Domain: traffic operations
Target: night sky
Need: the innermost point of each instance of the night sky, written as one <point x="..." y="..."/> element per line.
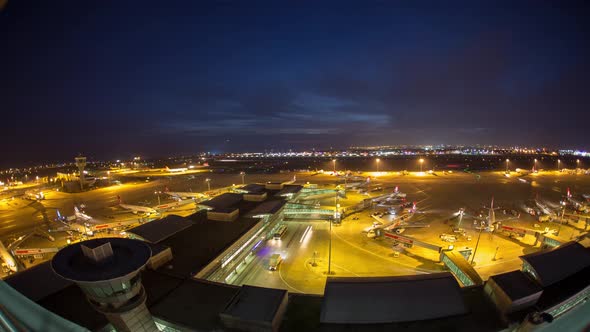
<point x="111" y="79"/>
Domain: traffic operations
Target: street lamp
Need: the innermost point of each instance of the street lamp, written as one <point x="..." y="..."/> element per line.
<point x="378" y="160"/>
<point x="577" y="163"/>
<point x="208" y="184"/>
<point x="558" y="163"/>
<point x="243" y="174"/>
<point x="507" y="161"/>
<point x="158" y="194"/>
<point x="421" y="162"/>
<point x="334" y="162"/>
<point x="535" y="165"/>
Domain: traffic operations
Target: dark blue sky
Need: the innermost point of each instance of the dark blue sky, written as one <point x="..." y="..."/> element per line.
<point x="116" y="78"/>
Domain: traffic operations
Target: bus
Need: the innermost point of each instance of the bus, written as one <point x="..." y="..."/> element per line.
<point x="280" y="232"/>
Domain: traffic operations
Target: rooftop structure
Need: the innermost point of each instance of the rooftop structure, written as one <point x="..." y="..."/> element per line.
<point x="391" y="299"/>
<point x="554" y="265"/>
<point x="255" y="309"/>
<point x="513" y="291"/>
<point x="223" y="202"/>
<point x="160" y="229"/>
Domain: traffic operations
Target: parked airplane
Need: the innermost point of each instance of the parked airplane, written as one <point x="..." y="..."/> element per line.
<point x="292" y="181"/>
<point x="34" y="195"/>
<point x="577" y="203"/>
<point x="176" y="170"/>
<point x="137" y="208"/>
<point x="184" y="195"/>
<point x="7" y="258"/>
<point x="489" y="222"/>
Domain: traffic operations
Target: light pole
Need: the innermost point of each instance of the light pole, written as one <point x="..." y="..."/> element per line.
<point x="243" y="174"/>
<point x="476" y="244"/>
<point x="577" y="163"/>
<point x="535" y="165"/>
<point x="421" y="162"/>
<point x="507" y="161"/>
<point x="461" y="212"/>
<point x="158" y="194"/>
<point x="208" y="184"/>
<point x="334" y="162"/>
<point x="378" y="160"/>
<point x="558" y="163"/>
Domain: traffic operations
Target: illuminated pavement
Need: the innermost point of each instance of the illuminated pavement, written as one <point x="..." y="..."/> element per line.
<point x="438" y="198"/>
<point x="353" y="254"/>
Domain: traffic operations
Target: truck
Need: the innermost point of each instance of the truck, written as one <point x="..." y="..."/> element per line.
<point x="274" y="262"/>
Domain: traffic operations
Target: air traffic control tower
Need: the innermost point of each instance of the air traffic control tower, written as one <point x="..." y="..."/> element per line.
<point x="81" y="163"/>
<point x="108" y="272"/>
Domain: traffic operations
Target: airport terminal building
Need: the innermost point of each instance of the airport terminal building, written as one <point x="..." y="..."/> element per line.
<point x="181" y="280"/>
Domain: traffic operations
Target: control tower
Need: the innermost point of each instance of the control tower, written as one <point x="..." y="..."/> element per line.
<point x="81" y="163"/>
<point x="108" y="272"/>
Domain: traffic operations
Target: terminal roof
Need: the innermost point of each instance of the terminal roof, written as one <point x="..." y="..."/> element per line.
<point x="303" y="314"/>
<point x="268" y="207"/>
<point x="194" y="247"/>
<point x="27" y="282"/>
<point x="223" y="201"/>
<point x="256" y="303"/>
<point x="556" y="264"/>
<point x="161" y="229"/>
<point x="128" y="256"/>
<point x="195" y="304"/>
<point x="516" y="284"/>
<point x="564" y="289"/>
<point x="391" y="299"/>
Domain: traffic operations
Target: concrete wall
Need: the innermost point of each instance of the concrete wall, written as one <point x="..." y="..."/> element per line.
<point x="160" y="259"/>
<point x="255" y="197"/>
<point x="222" y="216"/>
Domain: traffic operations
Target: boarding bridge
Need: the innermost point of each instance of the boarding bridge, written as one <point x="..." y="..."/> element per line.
<point x="34" y="251"/>
<point x="576" y="218"/>
<point x="306" y="212"/>
<point x="460" y="268"/>
<point x="520" y="232"/>
<point x="409" y="242"/>
<point x="549" y="241"/>
<point x="311" y="194"/>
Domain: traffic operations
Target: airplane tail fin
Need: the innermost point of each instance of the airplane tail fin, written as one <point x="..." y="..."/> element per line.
<point x="569" y="194"/>
<point x="119" y="199"/>
<point x="492" y="204"/>
<point x="396" y="189"/>
<point x="77" y="212"/>
<point x="59" y="217"/>
<point x="414" y="207"/>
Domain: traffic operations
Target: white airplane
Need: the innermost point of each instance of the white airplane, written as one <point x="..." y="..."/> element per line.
<point x="578" y="204"/>
<point x="137" y="208"/>
<point x="173" y="205"/>
<point x="176" y="170"/>
<point x="292" y="181"/>
<point x="184" y="195"/>
<point x="544" y="208"/>
<point x="7" y="258"/>
<point x="79" y="215"/>
<point x="71" y="222"/>
<point x="34" y="195"/>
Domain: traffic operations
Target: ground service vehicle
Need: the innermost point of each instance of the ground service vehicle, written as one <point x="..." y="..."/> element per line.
<point x="274" y="262"/>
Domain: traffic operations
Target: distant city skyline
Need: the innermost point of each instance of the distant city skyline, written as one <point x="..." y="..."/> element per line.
<point x="112" y="80"/>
